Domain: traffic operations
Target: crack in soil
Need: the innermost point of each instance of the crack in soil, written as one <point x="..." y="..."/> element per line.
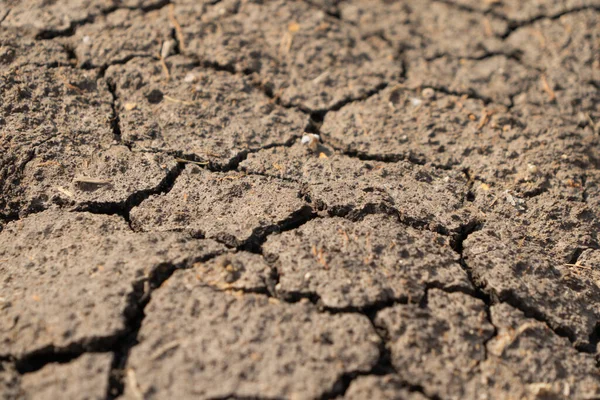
<point x="386" y="158"/>
<point x="514" y="25"/>
<point x="4" y="16"/>
<point x="115" y="120"/>
<point x="137" y="299"/>
<point x="259" y="235"/>
<point x="458" y="247"/>
<point x="124" y="208"/>
<point x="491" y="297"/>
<point x="140" y="298"/>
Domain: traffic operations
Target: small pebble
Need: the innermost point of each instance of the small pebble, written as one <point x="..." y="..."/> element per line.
<point x="428" y="93"/>
<point x="189" y="78"/>
<point x="311" y="140"/>
<point x="533" y="169"/>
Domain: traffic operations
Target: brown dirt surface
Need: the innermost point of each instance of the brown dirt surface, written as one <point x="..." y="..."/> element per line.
<point x="300" y="199"/>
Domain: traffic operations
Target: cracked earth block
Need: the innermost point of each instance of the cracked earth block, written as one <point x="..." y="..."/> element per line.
<point x="500" y="148"/>
<point x="438" y="347"/>
<point x="526" y="258"/>
<point x="84" y="378"/>
<point x="206" y="114"/>
<point x="119" y="36"/>
<point x="344" y="186"/>
<point x="360" y="264"/>
<point x="57" y="146"/>
<point x="526" y="360"/>
<point x="429" y="28"/>
<point x="243" y="345"/>
<point x="70" y="280"/>
<point x="387" y="387"/>
<point x="299" y="53"/>
<point x="233" y="208"/>
<point x="420" y="126"/>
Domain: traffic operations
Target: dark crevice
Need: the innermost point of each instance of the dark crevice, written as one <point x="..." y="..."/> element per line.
<point x="140" y="298"/>
<point x="584" y="188"/>
<point x="470" y="194"/>
<point x="36" y="360"/>
<point x="411" y="157"/>
<point x="259" y="235"/>
<point x="124" y="208"/>
<point x="491" y="297"/>
<point x="71" y="55"/>
<point x="352" y="213"/>
<point x="67" y="32"/>
<point x="319" y="115"/>
<point x="457" y="244"/>
<point x="384" y="365"/>
<point x="479" y="289"/>
<point x="513" y="299"/>
<point x="115" y="120"/>
<point x="6" y="218"/>
<point x="576" y="254"/>
<point x="402" y="58"/>
<point x="152" y="7"/>
<point x="133" y="315"/>
<point x="3" y="17"/>
<point x="514" y="25"/>
<point x="232" y="165"/>
<point x="371" y="309"/>
<point x="175" y="38"/>
<point x="515" y="55"/>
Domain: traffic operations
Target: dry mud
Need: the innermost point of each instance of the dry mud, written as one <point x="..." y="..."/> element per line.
<point x="319" y="199"/>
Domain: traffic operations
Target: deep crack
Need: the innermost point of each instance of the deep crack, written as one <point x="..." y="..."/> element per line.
<point x="123" y="208"/>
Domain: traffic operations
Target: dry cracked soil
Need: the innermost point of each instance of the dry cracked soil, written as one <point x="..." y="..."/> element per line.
<point x="302" y="199"/>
